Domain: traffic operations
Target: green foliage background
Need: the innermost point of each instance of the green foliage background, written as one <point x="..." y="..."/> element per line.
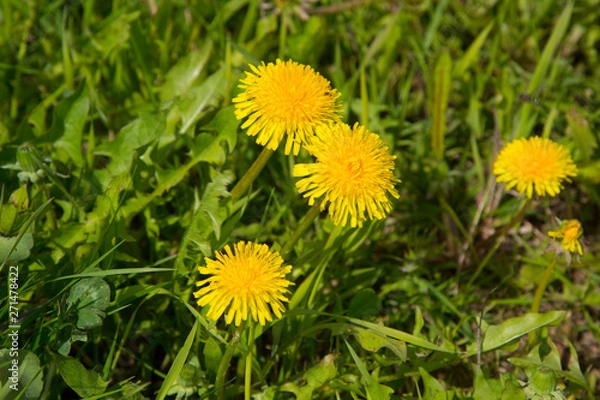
<point x="118" y="148"/>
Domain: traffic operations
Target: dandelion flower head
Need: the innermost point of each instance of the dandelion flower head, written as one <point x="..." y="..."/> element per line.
<point x="534" y="164"/>
<point x="570" y="231"/>
<point x="245" y="281"/>
<point x="285" y="98"/>
<point x="354" y="172"/>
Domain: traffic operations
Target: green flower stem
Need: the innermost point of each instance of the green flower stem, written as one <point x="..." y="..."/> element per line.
<point x="248" y="377"/>
<point x="242" y="186"/>
<point x="497" y="238"/>
<point x="225" y="361"/>
<point x="328" y="253"/>
<point x="537" y="298"/>
<point x="541" y="289"/>
<point x="306" y="221"/>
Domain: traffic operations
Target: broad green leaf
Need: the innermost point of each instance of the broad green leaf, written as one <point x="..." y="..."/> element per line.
<point x="439" y="92"/>
<point x="212" y="355"/>
<point x="225" y="125"/>
<point x="132" y="137"/>
<point x="84" y="382"/>
<point x="178" y="363"/>
<point x="583" y="137"/>
<point x="7" y="219"/>
<point x="182" y="75"/>
<point x="573" y="372"/>
<point x="315" y="378"/>
<point x="206" y="220"/>
<point x="195" y="101"/>
<point x="511" y="389"/>
<point x="497" y="336"/>
<point x="13" y="250"/>
<point x="375" y="390"/>
<point x="13" y="211"/>
<point x="432" y="385"/>
<point x="69" y="143"/>
<point x="482" y="390"/>
<point x="206" y="149"/>
<point x="89" y="297"/>
<point x="69" y="235"/>
<point x="372" y="341"/>
<point x="26" y="376"/>
<point x="23" y="230"/>
<point x="396" y="334"/>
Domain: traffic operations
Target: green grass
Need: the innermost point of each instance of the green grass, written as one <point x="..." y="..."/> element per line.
<point x="119" y="147"/>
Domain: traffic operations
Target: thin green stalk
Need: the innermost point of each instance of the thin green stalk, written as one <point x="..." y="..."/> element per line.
<point x="306" y="221"/>
<point x="248" y="377"/>
<point x="537" y="298"/>
<point x="541" y="289"/>
<point x="225" y="361"/>
<point x="324" y="263"/>
<point x="242" y="186"/>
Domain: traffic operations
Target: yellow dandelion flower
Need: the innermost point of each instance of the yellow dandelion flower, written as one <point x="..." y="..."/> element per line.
<point x="285" y="98"/>
<point x="534" y="163"/>
<point x="570" y="231"/>
<point x="353" y="171"/>
<point x="245" y="281"/>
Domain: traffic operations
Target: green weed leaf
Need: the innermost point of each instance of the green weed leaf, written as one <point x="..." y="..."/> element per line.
<point x="84" y="382"/>
<point x="12" y="251"/>
<point x="438" y="102"/>
<point x="182" y="75"/>
<point x="198" y="98"/>
<point x="315" y="378"/>
<point x="497" y="336"/>
<point x="29" y="376"/>
<point x="73" y="119"/>
<point x="373" y="341"/>
<point x="132" y="137"/>
<point x="89" y="297"/>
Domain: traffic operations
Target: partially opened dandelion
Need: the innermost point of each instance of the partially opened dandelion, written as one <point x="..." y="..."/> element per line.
<point x="534" y="164"/>
<point x="353" y="173"/>
<point x="285" y="99"/>
<point x="570" y="232"/>
<point x="248" y="281"/>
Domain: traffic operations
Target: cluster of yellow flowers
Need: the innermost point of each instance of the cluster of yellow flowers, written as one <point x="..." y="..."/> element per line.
<point x="540" y="165"/>
<point x="353" y="174"/>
